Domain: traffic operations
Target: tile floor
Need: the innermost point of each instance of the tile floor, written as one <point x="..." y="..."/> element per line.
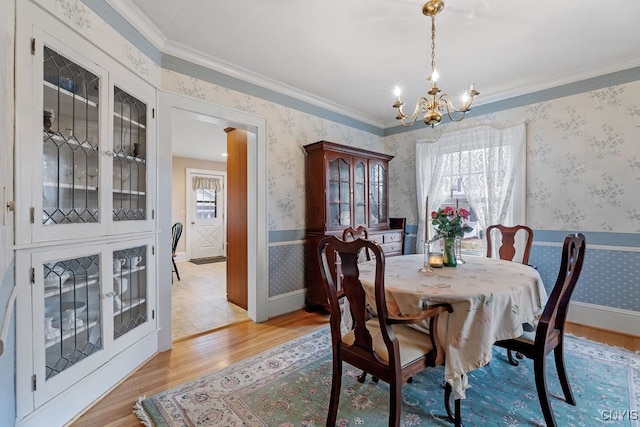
<point x="200" y="302"/>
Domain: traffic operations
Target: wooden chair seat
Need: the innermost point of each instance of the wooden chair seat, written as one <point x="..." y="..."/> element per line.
<point x="413" y="343"/>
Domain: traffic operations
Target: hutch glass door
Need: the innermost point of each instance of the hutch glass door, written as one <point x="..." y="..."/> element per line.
<point x="70" y="136"/>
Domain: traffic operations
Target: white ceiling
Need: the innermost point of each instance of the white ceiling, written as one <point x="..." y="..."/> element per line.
<point x="348" y="55"/>
<point x="197" y="136"/>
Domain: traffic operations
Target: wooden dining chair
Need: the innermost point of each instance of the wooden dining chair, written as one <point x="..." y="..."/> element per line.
<point x="507" y="249"/>
<point x="549" y="330"/>
<point x="350" y="234"/>
<point x="176" y="232"/>
<point x="384" y="346"/>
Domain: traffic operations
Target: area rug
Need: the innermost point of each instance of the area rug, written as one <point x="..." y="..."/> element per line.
<point x="289" y="386"/>
<point x="208" y="260"/>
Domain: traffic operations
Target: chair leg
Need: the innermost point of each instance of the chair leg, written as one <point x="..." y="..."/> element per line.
<point x="395" y="406"/>
<point x="336" y="383"/>
<point x="455" y="418"/>
<point x="175" y="267"/>
<point x="562" y="374"/>
<point x="512" y="361"/>
<point x="541" y="387"/>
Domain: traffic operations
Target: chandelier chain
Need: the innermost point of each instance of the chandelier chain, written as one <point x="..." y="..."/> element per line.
<point x="433" y="46"/>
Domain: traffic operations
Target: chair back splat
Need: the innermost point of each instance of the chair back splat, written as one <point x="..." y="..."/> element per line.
<point x="383" y="346"/>
<point x="507" y="249"/>
<point x="549" y="331"/>
<point x="555" y="311"/>
<point x="351" y="233"/>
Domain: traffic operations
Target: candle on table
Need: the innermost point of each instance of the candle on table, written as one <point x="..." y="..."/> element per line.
<point x="435" y="260"/>
<point x="426" y="221"/>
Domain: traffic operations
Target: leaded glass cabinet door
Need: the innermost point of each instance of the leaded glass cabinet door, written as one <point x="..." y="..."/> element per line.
<point x="339" y="193"/>
<point x="360" y="191"/>
<point x="378" y="202"/>
<point x="68" y="318"/>
<point x="131" y="151"/>
<point x="70" y="124"/>
<point x="132" y="270"/>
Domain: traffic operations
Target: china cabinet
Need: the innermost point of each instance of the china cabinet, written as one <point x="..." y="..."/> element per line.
<point x="87" y="148"/>
<point x="85" y="264"/>
<point x="345" y="187"/>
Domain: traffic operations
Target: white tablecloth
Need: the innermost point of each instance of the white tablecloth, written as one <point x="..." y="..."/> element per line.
<point x="491" y="300"/>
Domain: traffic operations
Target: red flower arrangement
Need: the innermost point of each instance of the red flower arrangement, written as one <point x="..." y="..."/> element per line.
<point x="450" y="222"/>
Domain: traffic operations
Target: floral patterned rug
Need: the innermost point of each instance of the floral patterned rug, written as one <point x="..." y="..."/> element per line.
<point x="289" y="386"/>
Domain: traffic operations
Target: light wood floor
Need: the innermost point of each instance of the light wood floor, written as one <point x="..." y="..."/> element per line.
<point x="192" y="358"/>
<point x="199" y="300"/>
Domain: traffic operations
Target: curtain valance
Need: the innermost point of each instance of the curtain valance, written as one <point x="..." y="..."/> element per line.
<point x="206" y="183"/>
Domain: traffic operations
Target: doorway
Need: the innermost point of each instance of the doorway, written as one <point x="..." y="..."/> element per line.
<point x="257" y="265"/>
<point x="206" y="227"/>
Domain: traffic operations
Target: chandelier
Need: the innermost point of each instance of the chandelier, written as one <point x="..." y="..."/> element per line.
<point x="432" y="104"/>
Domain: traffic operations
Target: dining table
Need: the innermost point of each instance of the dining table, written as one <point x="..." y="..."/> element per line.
<point x="492" y="300"/>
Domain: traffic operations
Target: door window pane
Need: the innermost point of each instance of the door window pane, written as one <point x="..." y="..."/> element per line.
<point x="206" y="204"/>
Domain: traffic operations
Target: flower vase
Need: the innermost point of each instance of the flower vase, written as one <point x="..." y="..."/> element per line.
<point x="449" y="256"/>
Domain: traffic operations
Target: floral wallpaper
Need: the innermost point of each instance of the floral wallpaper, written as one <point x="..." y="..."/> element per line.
<point x="288" y="131"/>
<point x="583" y="161"/>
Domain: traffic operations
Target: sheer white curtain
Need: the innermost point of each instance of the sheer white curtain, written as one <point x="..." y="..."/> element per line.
<point x="486" y="158"/>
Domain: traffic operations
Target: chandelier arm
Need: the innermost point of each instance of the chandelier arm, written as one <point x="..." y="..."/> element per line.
<point x="422" y="105"/>
<point x="445" y="101"/>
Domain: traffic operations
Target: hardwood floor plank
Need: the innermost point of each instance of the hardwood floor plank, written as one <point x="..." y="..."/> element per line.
<point x="201" y="355"/>
<point x="193" y="358"/>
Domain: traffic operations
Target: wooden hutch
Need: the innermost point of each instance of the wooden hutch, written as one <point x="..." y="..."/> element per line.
<point x="346" y="186"/>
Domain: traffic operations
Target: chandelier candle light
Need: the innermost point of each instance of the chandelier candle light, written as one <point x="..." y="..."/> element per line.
<point x="434" y="102"/>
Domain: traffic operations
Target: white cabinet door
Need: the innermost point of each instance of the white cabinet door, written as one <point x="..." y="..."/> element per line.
<point x="132" y="179"/>
<point x="133" y="301"/>
<point x="68" y="318"/>
<point x="59" y="157"/>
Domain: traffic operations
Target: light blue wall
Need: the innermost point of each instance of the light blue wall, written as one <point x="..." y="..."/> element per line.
<point x="611" y="273"/>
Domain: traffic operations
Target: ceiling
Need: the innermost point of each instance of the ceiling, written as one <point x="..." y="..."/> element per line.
<point x="348" y="55"/>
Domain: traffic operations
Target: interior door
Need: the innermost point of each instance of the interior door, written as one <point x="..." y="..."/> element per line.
<point x="206" y="213"/>
<point x="237" y="246"/>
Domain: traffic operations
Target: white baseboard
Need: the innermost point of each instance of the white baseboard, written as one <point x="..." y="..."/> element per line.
<point x="181" y="257"/>
<point x="598" y="316"/>
<point x="286" y="303"/>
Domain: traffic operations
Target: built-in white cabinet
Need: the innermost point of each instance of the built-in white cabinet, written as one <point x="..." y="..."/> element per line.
<point x="86" y="156"/>
<point x="85" y="224"/>
<point x="88" y="303"/>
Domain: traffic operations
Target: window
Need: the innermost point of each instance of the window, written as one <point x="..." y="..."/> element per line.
<point x="206" y="203"/>
<point x="481" y="169"/>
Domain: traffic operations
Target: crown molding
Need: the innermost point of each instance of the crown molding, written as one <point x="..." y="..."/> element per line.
<point x="566" y="80"/>
<point x="151" y="32"/>
<point x="196" y="57"/>
<point x="140" y="22"/>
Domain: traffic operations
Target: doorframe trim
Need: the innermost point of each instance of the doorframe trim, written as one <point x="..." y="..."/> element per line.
<point x="187" y="195"/>
<point x="257" y="179"/>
